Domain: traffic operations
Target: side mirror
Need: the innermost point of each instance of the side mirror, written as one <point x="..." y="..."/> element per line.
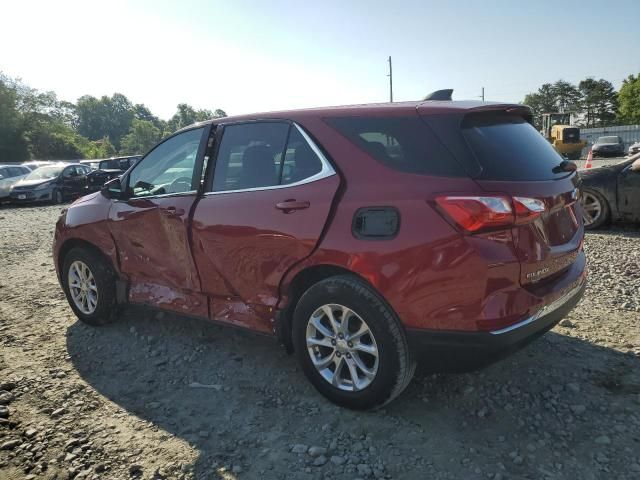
<point x="113" y="189"/>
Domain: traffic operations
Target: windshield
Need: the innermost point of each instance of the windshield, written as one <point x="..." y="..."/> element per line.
<point x="109" y="165"/>
<point x="45" y="173"/>
<point x="608" y="140"/>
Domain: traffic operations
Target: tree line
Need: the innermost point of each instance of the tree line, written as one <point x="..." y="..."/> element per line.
<point x="595" y="103"/>
<point x="37" y="125"/>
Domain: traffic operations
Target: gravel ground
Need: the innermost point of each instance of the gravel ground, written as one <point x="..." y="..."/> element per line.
<point x="159" y="396"/>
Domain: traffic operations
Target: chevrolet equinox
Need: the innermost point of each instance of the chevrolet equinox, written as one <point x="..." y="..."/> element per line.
<point x="364" y="238"/>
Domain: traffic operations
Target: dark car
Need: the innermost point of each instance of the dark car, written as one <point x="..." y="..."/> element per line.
<point x="108" y="169"/>
<point x="611" y="193"/>
<point x="51" y="183"/>
<point x="362" y="237"/>
<point x="611" y="146"/>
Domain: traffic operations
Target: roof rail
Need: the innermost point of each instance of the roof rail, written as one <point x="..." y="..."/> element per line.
<point x="440" y="95"/>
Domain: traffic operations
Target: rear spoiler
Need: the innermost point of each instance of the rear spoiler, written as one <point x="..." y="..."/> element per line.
<point x="440" y="95"/>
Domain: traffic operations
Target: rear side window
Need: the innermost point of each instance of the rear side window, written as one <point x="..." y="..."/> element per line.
<point x="509" y="148"/>
<point x="300" y="161"/>
<point x="263" y="154"/>
<point x="402" y="143"/>
<point x="250" y="156"/>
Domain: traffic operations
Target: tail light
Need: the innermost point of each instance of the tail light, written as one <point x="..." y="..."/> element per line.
<point x="480" y="213"/>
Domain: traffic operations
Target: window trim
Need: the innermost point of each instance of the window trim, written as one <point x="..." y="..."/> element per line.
<point x="326" y="171"/>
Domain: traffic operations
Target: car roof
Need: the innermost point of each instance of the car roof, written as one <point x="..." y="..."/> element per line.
<point x="424" y="107"/>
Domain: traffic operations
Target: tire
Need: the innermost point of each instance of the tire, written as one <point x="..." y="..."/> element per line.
<point x="104" y="310"/>
<point x="395" y="365"/>
<point x="57" y="197"/>
<point x="596" y="209"/>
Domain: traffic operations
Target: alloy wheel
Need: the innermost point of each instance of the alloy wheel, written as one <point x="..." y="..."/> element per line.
<point x="83" y="288"/>
<point x="342" y="347"/>
<point x="592" y="208"/>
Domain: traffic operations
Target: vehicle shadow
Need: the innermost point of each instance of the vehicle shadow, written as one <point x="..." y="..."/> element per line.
<point x="241" y="401"/>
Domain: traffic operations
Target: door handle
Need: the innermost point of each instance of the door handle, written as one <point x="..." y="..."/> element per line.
<point x="173" y="211"/>
<point x="291" y="205"/>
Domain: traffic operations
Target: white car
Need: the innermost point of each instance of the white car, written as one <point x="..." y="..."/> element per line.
<point x="10" y="174"/>
<point x="634" y="148"/>
<point x="35" y="164"/>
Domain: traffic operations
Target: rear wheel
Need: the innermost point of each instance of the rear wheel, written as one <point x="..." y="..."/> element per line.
<point x="350" y="344"/>
<point x="89" y="284"/>
<point x="596" y="209"/>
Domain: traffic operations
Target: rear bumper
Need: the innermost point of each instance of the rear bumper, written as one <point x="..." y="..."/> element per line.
<point x="463" y="351"/>
<point x="608" y="153"/>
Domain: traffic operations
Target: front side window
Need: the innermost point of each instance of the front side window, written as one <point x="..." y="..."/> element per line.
<point x="70" y="172"/>
<point x="168" y="168"/>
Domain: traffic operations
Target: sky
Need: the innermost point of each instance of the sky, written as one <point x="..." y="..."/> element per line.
<point x="251" y="56"/>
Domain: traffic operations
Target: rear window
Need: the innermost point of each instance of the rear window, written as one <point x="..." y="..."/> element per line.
<point x="509" y="148"/>
<point x="402" y="143"/>
<point x="609" y="140"/>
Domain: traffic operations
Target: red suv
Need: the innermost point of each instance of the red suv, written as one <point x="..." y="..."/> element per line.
<point x="362" y="237"/>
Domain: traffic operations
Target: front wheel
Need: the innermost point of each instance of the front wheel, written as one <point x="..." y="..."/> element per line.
<point x="350" y="344"/>
<point x="89" y="284"/>
<point x="596" y="209"/>
<point x="57" y="196"/>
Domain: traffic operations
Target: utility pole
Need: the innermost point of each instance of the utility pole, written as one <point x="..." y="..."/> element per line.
<point x="390" y="80"/>
<point x="483" y="94"/>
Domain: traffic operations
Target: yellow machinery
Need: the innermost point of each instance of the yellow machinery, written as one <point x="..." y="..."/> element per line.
<point x="565" y="138"/>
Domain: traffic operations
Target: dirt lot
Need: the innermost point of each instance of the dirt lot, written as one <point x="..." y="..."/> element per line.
<point x="158" y="396"/>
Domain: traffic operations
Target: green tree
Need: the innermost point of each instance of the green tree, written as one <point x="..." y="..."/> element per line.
<point x="105" y="116"/>
<point x="13" y="144"/>
<point x="566" y="97"/>
<point x="542" y="101"/>
<point x="142" y="136"/>
<point x="629" y="101"/>
<point x="600" y="102"/>
<point x="187" y="115"/>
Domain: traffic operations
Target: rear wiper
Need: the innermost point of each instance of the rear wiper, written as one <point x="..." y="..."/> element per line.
<point x="565" y="166"/>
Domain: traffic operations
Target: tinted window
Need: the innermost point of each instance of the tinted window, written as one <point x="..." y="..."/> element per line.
<point x="300" y="160"/>
<point x="402" y="143"/>
<point x="5" y="172"/>
<point x="69" y="172"/>
<point x="17" y="171"/>
<point x="509" y="148"/>
<point x="168" y="168"/>
<point x="250" y="156"/>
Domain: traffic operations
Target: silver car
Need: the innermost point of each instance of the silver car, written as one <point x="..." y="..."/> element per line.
<point x="10" y="174"/>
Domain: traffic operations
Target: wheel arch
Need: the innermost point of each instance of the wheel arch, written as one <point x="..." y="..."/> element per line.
<point x="74" y="242"/>
<point x="301" y="281"/>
